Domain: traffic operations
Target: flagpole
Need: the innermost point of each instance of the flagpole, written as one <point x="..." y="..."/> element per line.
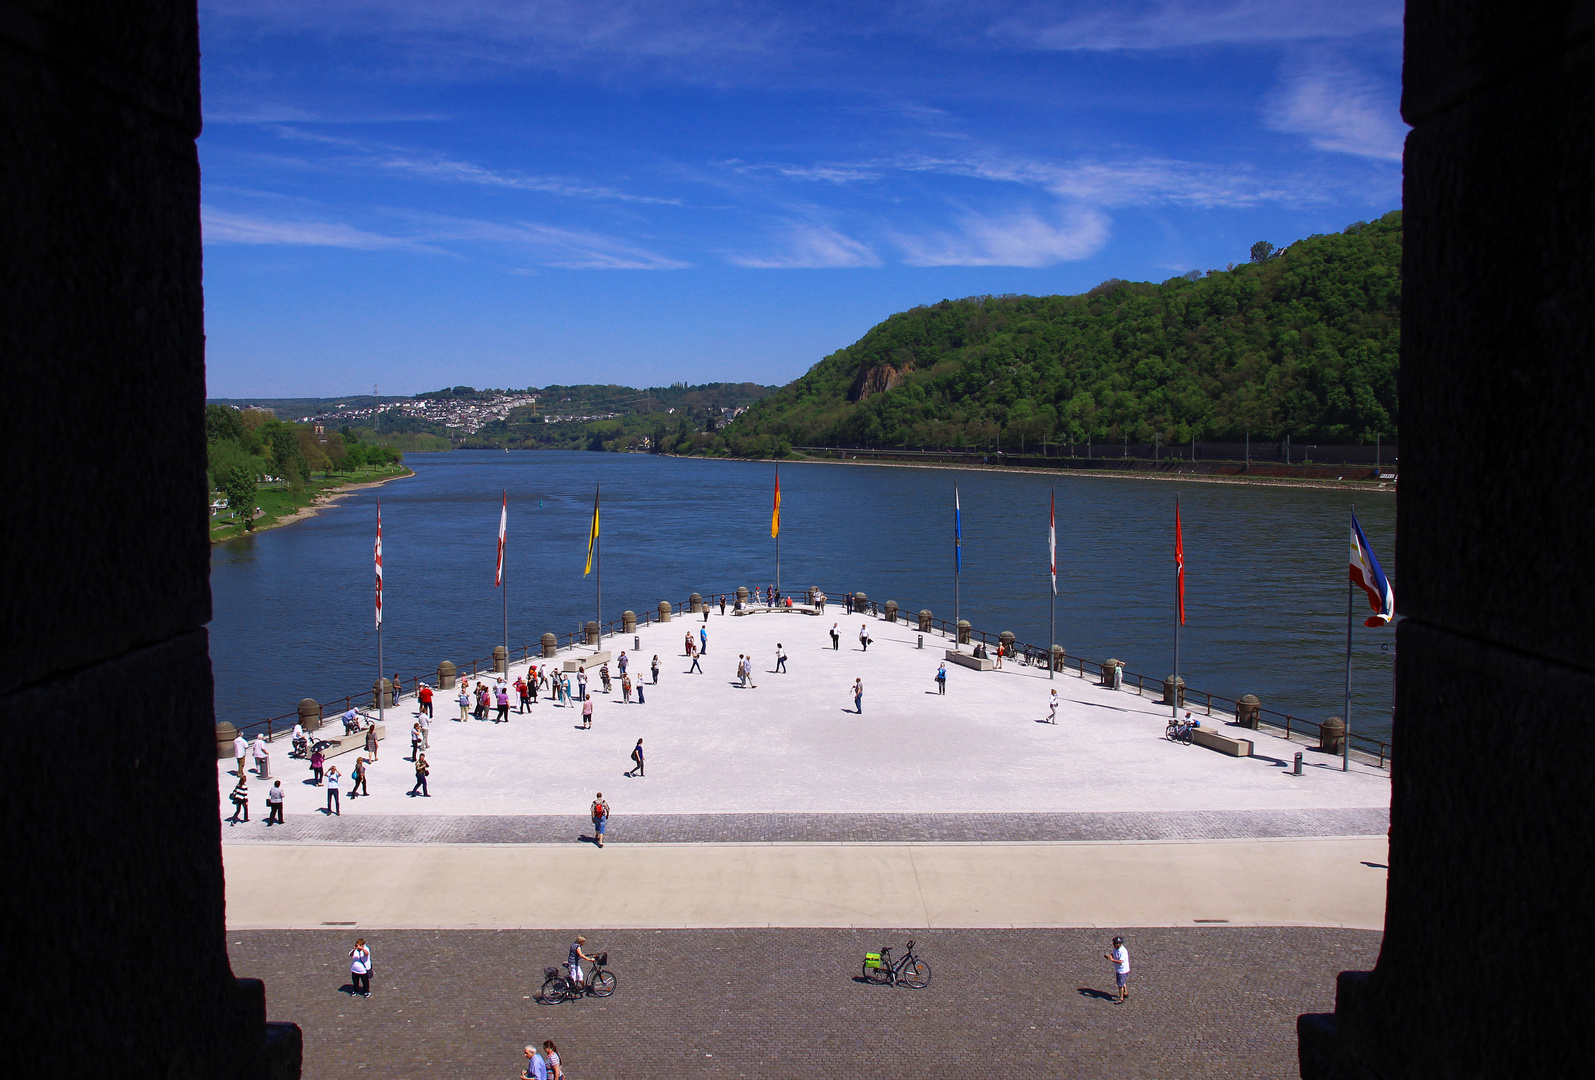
<point x="504" y="585"/>
<point x="598" y="566"/>
<point x="1179" y="570"/>
<point x="958" y="566"/>
<point x="778" y="530"/>
<point x="381" y="697"/>
<point x="1052" y="593"/>
<point x="1345" y="745"/>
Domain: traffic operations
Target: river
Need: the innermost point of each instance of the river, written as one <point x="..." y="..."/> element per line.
<point x="1266" y="569"/>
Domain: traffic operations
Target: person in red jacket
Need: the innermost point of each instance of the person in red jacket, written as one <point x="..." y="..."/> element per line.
<point x="424" y="695"/>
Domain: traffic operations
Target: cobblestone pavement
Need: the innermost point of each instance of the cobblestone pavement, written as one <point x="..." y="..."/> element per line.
<point x="353" y="828"/>
<point x="1205" y="1002"/>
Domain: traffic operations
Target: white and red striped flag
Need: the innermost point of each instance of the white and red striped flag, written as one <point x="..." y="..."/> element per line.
<point x="379" y="562"/>
<point x="503" y="531"/>
<point x="1052" y="539"/>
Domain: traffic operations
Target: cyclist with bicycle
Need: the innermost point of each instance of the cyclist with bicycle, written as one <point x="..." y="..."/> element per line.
<point x="574" y="962"/>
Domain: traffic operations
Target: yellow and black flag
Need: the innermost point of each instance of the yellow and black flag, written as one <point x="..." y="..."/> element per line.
<point x="592" y="536"/>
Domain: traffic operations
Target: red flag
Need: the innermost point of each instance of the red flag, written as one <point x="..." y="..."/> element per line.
<point x="379" y="563"/>
<point x="503" y="529"/>
<point x="1052" y="539"/>
<point x="1179" y="560"/>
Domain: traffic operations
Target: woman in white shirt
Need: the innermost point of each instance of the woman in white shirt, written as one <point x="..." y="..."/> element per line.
<point x="360" y="967"/>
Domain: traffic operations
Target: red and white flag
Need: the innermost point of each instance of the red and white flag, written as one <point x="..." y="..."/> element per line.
<point x="379" y="563"/>
<point x="503" y="529"/>
<point x="1052" y="539"/>
<point x="1179" y="560"/>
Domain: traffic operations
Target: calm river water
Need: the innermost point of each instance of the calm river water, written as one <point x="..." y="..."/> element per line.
<point x="1265" y="569"/>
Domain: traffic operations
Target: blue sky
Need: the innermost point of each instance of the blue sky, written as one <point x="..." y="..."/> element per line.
<point x="417" y="194"/>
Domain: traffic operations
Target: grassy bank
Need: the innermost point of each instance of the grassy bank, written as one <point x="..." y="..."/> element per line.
<point x="283" y="504"/>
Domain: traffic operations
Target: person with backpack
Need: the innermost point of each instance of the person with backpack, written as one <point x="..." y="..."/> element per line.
<point x="636" y="757"/>
<point x="358" y="787"/>
<point x="600" y="813"/>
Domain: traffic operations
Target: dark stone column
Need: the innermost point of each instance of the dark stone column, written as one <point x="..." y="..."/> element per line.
<point x="1487" y="937"/>
<point x="115" y="949"/>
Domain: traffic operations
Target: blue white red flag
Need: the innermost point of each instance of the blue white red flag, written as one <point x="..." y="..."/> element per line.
<point x="503" y="531"/>
<point x="958" y="534"/>
<point x="1366" y="572"/>
<point x="378" y="555"/>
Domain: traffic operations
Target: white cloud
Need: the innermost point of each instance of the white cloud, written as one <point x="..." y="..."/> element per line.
<point x="465" y="172"/>
<point x="1131" y="182"/>
<point x="222" y="227"/>
<point x="1173" y="24"/>
<point x="1339" y="109"/>
<point x="813" y="246"/>
<point x="1019" y="239"/>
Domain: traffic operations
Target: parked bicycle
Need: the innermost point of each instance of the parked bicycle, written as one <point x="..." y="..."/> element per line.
<point x="910" y="970"/>
<point x="1180" y="731"/>
<point x="558" y="985"/>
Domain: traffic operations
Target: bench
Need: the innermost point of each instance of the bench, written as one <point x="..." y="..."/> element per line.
<point x="592" y="660"/>
<point x="797" y="609"/>
<point x="1224" y="744"/>
<point x="964" y="659"/>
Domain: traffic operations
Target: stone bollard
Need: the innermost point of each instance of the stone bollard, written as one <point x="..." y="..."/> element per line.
<point x="225" y="734"/>
<point x="1332" y="736"/>
<point x="550" y="646"/>
<point x="891" y="611"/>
<point x="1110" y="671"/>
<point x="963" y="631"/>
<point x="309" y="714"/>
<point x="1006" y="639"/>
<point x="664" y="611"/>
<point x="501" y="660"/>
<point x="695" y="604"/>
<point x="924" y="620"/>
<point x="1169" y="686"/>
<point x="382" y="694"/>
<point x="860" y="602"/>
<point x="1058" y="657"/>
<point x="742" y="597"/>
<point x="592" y="632"/>
<point x="1247" y="711"/>
<point x="446" y="674"/>
<point x="628" y="622"/>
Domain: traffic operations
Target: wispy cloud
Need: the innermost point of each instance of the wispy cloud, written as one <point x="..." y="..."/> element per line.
<point x="450" y="170"/>
<point x="809" y="246"/>
<point x="223" y="227"/>
<point x="1171" y="24"/>
<point x="1019" y="239"/>
<point x="1126" y="182"/>
<point x="1339" y="109"/>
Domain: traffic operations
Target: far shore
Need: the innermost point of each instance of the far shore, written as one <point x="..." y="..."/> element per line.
<point x="318" y="502"/>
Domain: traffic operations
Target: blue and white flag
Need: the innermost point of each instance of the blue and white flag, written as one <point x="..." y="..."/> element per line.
<point x="1366" y="572"/>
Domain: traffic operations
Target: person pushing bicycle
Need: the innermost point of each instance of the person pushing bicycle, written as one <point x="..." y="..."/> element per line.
<point x="574" y="962"/>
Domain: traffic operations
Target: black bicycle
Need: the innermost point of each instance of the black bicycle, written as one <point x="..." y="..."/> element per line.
<point x="1180" y="731"/>
<point x="558" y="985"/>
<point x="910" y="970"/>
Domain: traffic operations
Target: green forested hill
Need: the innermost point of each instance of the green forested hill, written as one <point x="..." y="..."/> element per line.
<point x="1300" y="342"/>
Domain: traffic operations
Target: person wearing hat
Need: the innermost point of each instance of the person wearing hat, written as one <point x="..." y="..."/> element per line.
<point x="1120" y="958"/>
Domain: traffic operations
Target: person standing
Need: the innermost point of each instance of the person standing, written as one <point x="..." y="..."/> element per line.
<point x="262" y="756"/>
<point x="655" y="669"/>
<point x="241" y="751"/>
<point x="360" y="967"/>
<point x="581" y="683"/>
<point x="464" y="700"/>
<point x="863" y="636"/>
<point x="780" y="659"/>
<point x="722" y="603"/>
<point x="551" y="1053"/>
<point x="333" y="779"/>
<point x="858" y="696"/>
<point x="424" y="696"/>
<point x="1120" y="958"/>
<point x="415" y="740"/>
<point x="318" y="762"/>
<point x="639" y="690"/>
<point x="536" y="1068"/>
<point x="522" y="692"/>
<point x="703" y="637"/>
<point x="501" y="698"/>
<point x="371" y="742"/>
<point x="240" y="798"/>
<point x="941" y="678"/>
<point x="426" y="731"/>
<point x="1052" y="715"/>
<point x="636" y="757"/>
<point x="587" y="713"/>
<point x="625" y="689"/>
<point x="422" y="771"/>
<point x="274" y="803"/>
<point x="600" y="812"/>
<point x="358" y="776"/>
<point x="623" y="662"/>
<point x="836" y="638"/>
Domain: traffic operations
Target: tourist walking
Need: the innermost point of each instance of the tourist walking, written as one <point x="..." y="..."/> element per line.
<point x="863" y="636"/>
<point x="603" y="677"/>
<point x="622" y="663"/>
<point x="636" y="757"/>
<point x="742" y="672"/>
<point x="654" y="667"/>
<point x="333" y="779"/>
<point x="747" y="669"/>
<point x="551" y="1054"/>
<point x="692" y="652"/>
<point x="360" y="967"/>
<point x="1120" y="958"/>
<point x="941" y="678"/>
<point x="600" y="813"/>
<point x="688" y="647"/>
<point x="587" y="713"/>
<point x="240" y="798"/>
<point x="424" y="696"/>
<point x="722" y="603"/>
<point x="536" y="1068"/>
<point x="836" y="638"/>
<point x="358" y="776"/>
<point x="371" y="741"/>
<point x="1052" y="713"/>
<point x="780" y="659"/>
<point x="858" y="696"/>
<point x="422" y="771"/>
<point x="318" y="763"/>
<point x="240" y="751"/>
<point x="274" y="799"/>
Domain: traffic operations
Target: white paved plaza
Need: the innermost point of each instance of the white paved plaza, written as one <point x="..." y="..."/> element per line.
<point x="794" y="744"/>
